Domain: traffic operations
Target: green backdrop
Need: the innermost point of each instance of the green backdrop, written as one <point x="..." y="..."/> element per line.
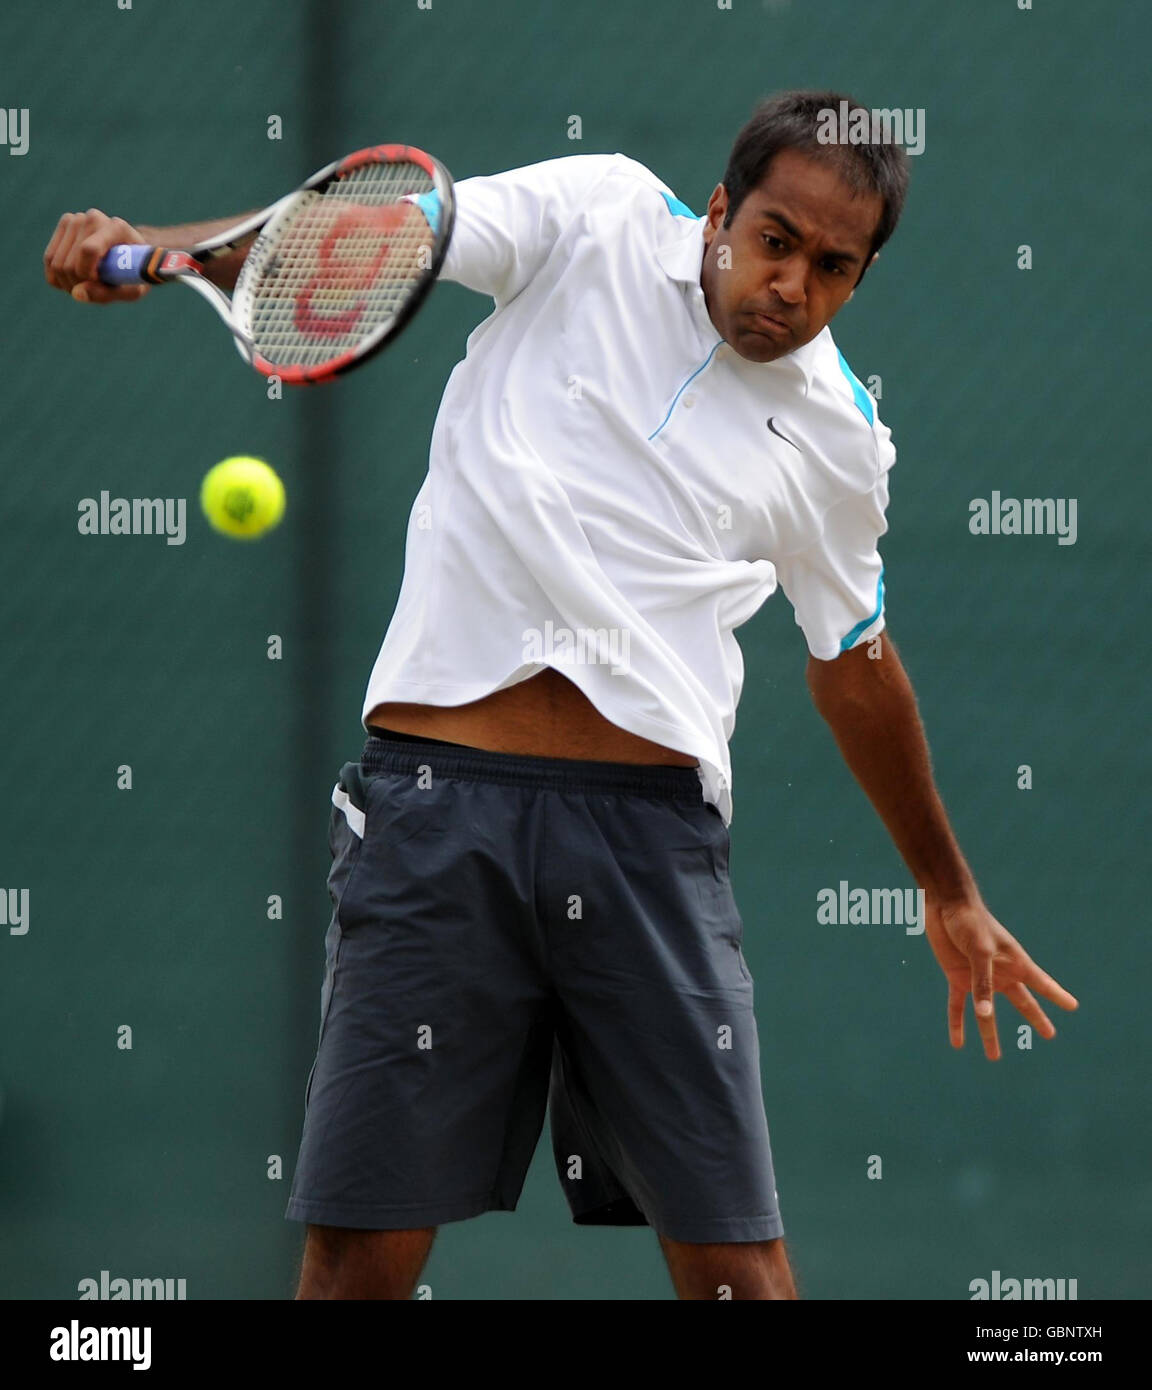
<point x="149" y="906"/>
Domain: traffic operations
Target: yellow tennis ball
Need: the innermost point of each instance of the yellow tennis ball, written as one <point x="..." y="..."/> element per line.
<point x="242" y="497"/>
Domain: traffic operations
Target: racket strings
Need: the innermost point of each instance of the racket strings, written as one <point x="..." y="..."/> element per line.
<point x="337" y="265"/>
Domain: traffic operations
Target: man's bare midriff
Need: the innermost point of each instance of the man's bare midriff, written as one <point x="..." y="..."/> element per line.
<point x="546" y="716"/>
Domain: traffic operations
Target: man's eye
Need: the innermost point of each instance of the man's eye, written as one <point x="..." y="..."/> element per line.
<point x="773" y="241"/>
<point x="834" y="267"/>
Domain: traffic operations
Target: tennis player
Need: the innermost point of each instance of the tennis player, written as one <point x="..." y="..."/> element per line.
<point x="652" y="430"/>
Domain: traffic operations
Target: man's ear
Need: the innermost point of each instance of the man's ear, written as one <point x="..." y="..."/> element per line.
<point x="717" y="210"/>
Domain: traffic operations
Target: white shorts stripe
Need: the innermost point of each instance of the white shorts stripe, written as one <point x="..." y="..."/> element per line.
<point x="352" y="813"/>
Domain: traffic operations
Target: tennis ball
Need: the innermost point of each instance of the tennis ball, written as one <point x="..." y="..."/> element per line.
<point x="242" y="497"/>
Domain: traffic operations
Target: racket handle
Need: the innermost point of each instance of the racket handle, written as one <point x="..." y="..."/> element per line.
<point x="124" y="264"/>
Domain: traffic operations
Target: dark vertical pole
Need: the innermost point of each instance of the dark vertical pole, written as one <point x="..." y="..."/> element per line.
<point x="318" y="446"/>
<point x="315" y="604"/>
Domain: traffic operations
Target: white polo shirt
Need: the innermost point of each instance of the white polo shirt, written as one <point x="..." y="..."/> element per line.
<point x="604" y="493"/>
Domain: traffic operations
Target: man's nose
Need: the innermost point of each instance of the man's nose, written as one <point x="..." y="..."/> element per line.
<point x="790" y="281"/>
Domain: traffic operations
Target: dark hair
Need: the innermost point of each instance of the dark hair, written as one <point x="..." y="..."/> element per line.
<point x="789" y="121"/>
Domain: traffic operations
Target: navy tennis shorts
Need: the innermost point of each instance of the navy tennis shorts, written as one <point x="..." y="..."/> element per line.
<point x="514" y="934"/>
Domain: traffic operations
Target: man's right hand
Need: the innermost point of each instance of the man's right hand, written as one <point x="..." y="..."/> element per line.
<point x="78" y="244"/>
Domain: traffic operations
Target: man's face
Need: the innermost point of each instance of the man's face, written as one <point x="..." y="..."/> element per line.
<point x="795" y="250"/>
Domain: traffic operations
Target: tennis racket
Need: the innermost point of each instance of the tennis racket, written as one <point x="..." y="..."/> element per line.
<point x="338" y="269"/>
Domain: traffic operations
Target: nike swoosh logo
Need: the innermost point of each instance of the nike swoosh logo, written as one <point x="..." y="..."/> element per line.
<point x="784" y="437"/>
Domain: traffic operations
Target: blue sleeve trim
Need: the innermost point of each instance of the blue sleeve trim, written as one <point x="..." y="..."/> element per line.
<point x="865" y="623"/>
<point x="429" y="205"/>
<point x="861" y="397"/>
<point x="676" y="206"/>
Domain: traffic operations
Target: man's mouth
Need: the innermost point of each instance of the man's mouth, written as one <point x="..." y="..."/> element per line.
<point x="768" y="324"/>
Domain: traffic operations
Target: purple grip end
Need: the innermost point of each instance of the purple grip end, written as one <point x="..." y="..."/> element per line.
<point x="122" y="264"/>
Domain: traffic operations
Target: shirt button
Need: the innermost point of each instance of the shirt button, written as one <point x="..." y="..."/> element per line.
<point x="689" y="402"/>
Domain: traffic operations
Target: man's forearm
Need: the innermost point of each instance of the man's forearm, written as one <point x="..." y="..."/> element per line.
<point x="871" y="709"/>
<point x="221" y="270"/>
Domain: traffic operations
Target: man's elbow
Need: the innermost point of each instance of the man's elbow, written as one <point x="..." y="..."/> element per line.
<point x="852" y="678"/>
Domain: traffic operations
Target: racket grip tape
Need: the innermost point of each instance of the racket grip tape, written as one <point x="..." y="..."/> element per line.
<point x="130" y="265"/>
